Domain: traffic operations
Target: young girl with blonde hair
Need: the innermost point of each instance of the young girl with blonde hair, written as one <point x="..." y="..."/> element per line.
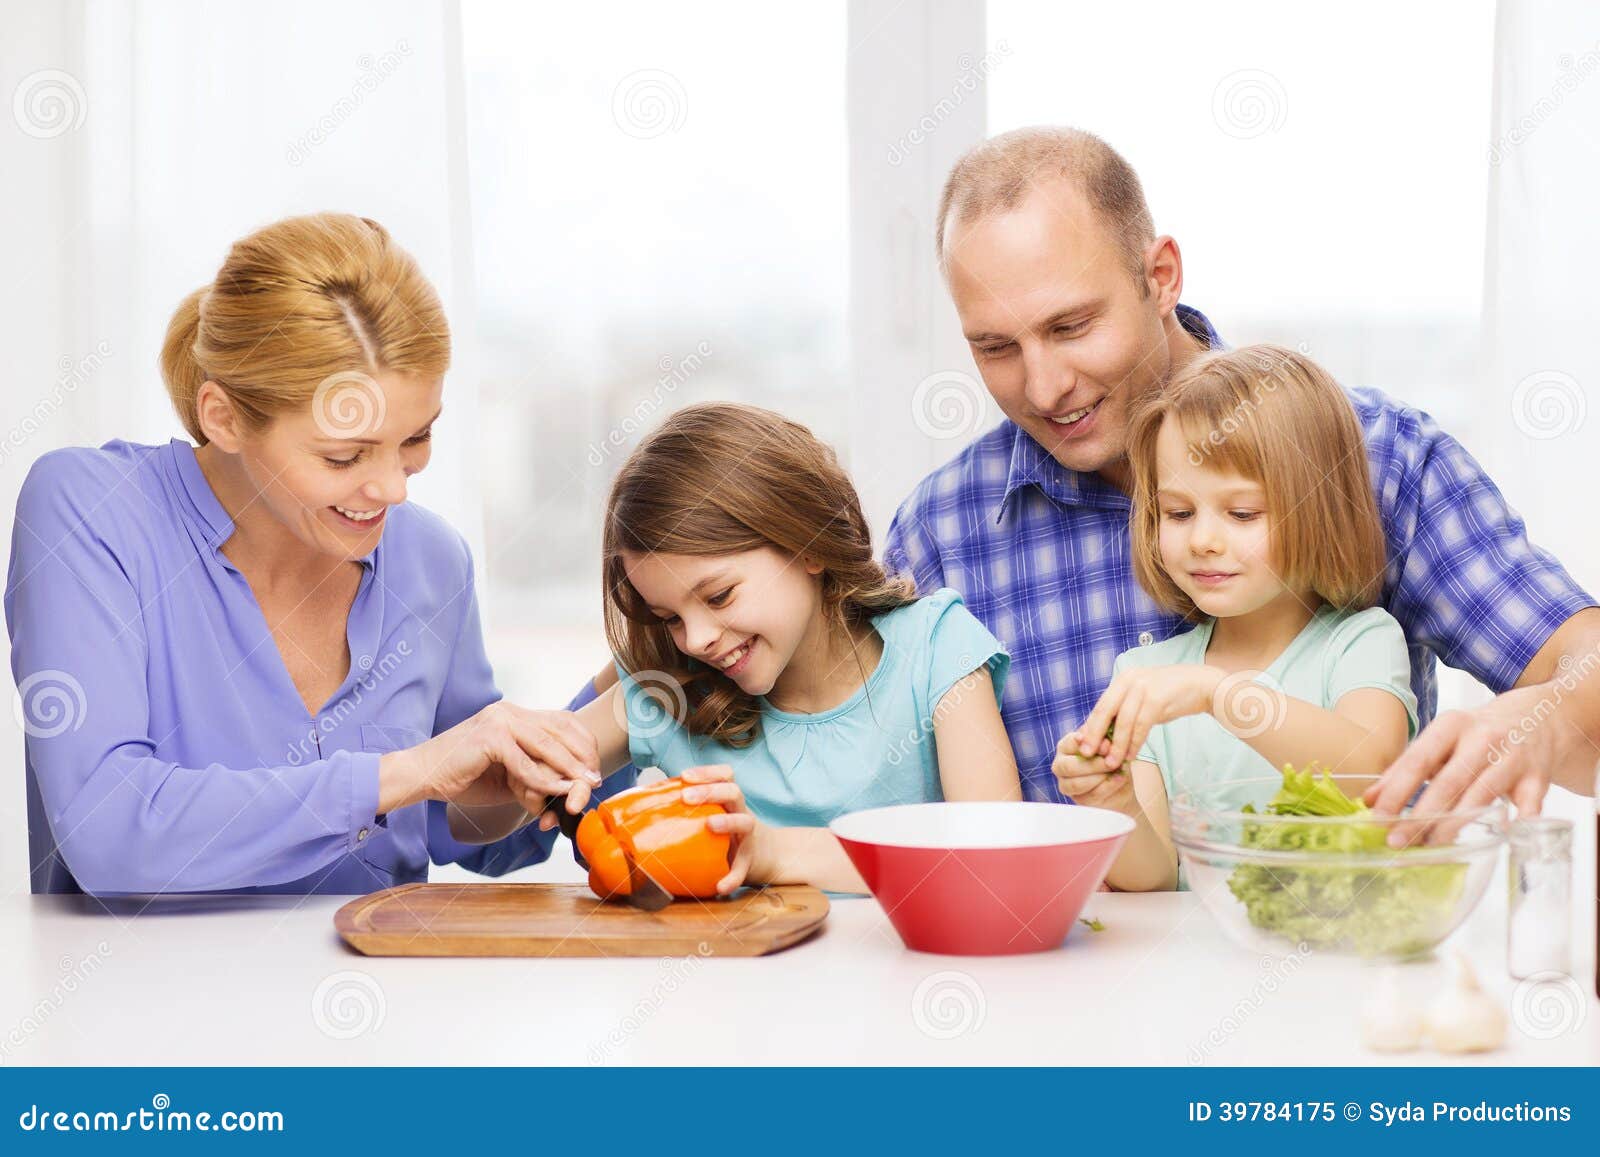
<point x="765" y="654"/>
<point x="1253" y="516"/>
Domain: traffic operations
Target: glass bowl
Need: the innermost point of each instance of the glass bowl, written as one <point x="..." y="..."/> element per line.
<point x="1331" y="884"/>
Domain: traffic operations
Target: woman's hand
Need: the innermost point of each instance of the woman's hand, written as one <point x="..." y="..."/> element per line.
<point x="1138" y="700"/>
<point x="713" y="783"/>
<point x="1085" y="779"/>
<point x="503" y="754"/>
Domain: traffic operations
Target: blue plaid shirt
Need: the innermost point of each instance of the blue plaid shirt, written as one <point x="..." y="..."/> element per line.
<point x="1041" y="555"/>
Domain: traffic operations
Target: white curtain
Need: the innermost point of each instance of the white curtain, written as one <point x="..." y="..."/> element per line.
<point x="146" y="137"/>
<point x="1541" y="393"/>
<point x="139" y="140"/>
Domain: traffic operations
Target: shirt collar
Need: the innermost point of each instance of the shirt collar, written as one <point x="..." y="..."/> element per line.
<point x="205" y="510"/>
<point x="1030" y="465"/>
<point x="213" y="520"/>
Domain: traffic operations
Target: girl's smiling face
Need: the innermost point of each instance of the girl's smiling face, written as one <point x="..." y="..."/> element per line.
<point x="1215" y="531"/>
<point x="746" y="614"/>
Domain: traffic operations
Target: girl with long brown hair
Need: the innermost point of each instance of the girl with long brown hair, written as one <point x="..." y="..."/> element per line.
<point x="755" y="633"/>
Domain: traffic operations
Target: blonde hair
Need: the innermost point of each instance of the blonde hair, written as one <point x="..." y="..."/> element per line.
<point x="295" y="303"/>
<point x="998" y="173"/>
<point x="1277" y="418"/>
<point x="717" y="479"/>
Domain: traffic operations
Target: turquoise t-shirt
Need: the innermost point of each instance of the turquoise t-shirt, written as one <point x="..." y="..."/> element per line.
<point x="873" y="750"/>
<point x="1335" y="653"/>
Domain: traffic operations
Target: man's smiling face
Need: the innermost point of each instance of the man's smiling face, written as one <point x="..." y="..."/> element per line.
<point x="1059" y="328"/>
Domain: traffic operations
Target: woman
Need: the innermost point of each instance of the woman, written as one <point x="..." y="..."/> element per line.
<point x="249" y="664"/>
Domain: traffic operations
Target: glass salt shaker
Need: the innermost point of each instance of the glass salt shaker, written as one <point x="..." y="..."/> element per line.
<point x="1539" y="920"/>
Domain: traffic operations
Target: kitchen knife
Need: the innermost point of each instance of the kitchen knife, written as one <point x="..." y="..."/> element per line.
<point x="568" y="823"/>
<point x="643" y="892"/>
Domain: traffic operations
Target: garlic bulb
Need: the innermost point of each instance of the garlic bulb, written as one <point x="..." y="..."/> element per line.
<point x="1463" y="1018"/>
<point x="1389" y="1022"/>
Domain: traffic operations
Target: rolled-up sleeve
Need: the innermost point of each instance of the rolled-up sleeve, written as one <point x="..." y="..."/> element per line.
<point x="1466" y="580"/>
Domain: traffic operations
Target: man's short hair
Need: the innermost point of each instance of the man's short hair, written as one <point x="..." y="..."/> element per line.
<point x="999" y="173"/>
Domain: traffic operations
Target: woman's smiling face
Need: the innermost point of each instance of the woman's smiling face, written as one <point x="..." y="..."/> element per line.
<point x="330" y="473"/>
<point x="746" y="614"/>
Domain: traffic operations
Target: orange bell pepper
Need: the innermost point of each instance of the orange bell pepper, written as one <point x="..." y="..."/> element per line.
<point x="667" y="838"/>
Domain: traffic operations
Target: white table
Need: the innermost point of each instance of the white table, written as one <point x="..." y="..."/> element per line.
<point x="264" y="980"/>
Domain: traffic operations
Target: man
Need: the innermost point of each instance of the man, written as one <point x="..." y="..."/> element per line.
<point x="1070" y="303"/>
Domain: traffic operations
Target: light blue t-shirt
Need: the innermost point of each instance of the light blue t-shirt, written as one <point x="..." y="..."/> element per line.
<point x="1335" y="653"/>
<point x="875" y="749"/>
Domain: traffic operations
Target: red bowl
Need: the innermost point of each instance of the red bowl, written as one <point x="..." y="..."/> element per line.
<point x="982" y="879"/>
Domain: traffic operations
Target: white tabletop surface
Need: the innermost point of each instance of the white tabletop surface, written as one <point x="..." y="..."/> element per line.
<point x="265" y="980"/>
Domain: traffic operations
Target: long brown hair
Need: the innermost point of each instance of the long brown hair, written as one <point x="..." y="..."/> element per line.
<point x="295" y="303"/>
<point x="1277" y="418"/>
<point x="717" y="479"/>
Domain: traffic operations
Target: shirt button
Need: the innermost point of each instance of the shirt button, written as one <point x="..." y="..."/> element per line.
<point x="1146" y="638"/>
<point x="362" y="834"/>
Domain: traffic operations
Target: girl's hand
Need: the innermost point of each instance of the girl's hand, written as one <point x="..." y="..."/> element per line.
<point x="1140" y="698"/>
<point x="503" y="754"/>
<point x="1085" y="779"/>
<point x="713" y="783"/>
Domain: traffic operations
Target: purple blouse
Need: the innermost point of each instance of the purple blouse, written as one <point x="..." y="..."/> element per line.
<point x="167" y="747"/>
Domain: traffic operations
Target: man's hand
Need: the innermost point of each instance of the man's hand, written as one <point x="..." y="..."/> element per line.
<point x="1469" y="758"/>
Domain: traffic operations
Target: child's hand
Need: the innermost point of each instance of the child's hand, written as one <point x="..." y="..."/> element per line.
<point x="1139" y="699"/>
<point x="1086" y="779"/>
<point x="713" y="783"/>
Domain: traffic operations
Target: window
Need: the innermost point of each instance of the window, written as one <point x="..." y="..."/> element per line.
<point x="659" y="212"/>
<point x="1323" y="171"/>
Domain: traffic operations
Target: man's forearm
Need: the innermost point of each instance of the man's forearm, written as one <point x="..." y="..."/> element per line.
<point x="1566" y="672"/>
<point x="1578" y="720"/>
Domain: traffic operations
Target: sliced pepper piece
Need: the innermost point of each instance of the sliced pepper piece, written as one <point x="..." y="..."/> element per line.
<point x="667" y="838"/>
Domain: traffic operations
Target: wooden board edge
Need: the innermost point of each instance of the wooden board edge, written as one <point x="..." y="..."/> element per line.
<point x="387" y="945"/>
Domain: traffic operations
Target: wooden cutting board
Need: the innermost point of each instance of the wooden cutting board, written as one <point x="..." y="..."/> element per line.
<point x="567" y="920"/>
